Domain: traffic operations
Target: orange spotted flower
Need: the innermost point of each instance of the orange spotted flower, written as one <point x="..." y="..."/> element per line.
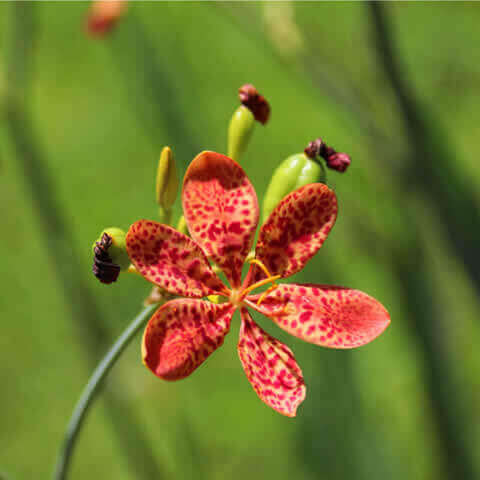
<point x="221" y="211"/>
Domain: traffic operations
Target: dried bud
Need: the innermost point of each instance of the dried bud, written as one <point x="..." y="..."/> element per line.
<point x="334" y="160"/>
<point x="255" y="102"/>
<point x="167" y="180"/>
<point x="103" y="267"/>
<point x="104" y="15"/>
<point x="110" y="255"/>
<point x="315" y="148"/>
<point x="338" y="161"/>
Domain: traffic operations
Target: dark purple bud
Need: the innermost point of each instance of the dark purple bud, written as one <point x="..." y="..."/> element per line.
<point x="103" y="267"/>
<point x="334" y="160"/>
<point x="255" y="102"/>
<point x="315" y="148"/>
<point x="338" y="161"/>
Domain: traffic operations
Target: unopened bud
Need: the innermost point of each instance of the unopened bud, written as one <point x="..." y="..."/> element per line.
<point x="104" y="15"/>
<point x="167" y="180"/>
<point x="294" y="172"/>
<point x="110" y="255"/>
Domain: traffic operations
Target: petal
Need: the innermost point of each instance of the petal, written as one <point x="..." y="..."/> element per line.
<point x="182" y="334"/>
<point x="296" y="229"/>
<point x="221" y="211"/>
<point x="270" y="367"/>
<point x="171" y="260"/>
<point x="335" y="317"/>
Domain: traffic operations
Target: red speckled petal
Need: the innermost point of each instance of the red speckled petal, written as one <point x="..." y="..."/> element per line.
<point x="334" y="317"/>
<point x="221" y="211"/>
<point x="171" y="260"/>
<point x="296" y="229"/>
<point x="182" y="334"/>
<point x="270" y="367"/>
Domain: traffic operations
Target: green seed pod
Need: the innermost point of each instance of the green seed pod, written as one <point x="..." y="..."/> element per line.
<point x="115" y="249"/>
<point x="294" y="172"/>
<point x="239" y="131"/>
<point x="167" y="180"/>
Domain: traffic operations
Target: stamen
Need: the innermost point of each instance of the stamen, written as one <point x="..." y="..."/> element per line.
<point x="261" y="265"/>
<point x="266" y="292"/>
<point x="270" y="279"/>
<point x="261" y="283"/>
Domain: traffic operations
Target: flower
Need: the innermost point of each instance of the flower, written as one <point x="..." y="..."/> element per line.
<point x="221" y="211"/>
<point x="103" y="16"/>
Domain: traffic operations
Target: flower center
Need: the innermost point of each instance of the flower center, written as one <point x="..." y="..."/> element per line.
<point x="236" y="297"/>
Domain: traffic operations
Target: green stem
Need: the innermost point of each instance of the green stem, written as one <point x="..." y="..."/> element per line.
<point x="91" y="389"/>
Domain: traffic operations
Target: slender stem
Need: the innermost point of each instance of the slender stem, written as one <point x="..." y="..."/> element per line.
<point x="92" y="388"/>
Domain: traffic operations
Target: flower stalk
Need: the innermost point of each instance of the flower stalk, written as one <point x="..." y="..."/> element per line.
<point x="92" y="388"/>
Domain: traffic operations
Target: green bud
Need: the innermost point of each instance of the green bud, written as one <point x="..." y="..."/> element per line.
<point x="239" y="131"/>
<point x="117" y="251"/>
<point x="294" y="172"/>
<point x="167" y="180"/>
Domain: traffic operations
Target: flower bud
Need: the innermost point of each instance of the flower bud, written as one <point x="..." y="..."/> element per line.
<point x="167" y="180"/>
<point x="294" y="172"/>
<point x="110" y="255"/>
<point x="104" y="15"/>
<point x="239" y="131"/>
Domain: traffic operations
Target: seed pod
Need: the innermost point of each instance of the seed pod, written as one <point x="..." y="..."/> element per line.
<point x="294" y="172"/>
<point x="240" y="131"/>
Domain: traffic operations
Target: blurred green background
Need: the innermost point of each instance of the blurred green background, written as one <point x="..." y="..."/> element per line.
<point x="82" y="123"/>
